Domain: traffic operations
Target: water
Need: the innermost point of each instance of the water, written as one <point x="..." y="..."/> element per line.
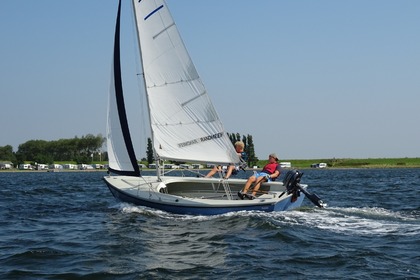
<point x="68" y="226"/>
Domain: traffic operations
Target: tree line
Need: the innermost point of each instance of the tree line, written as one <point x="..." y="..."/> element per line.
<point x="80" y="150"/>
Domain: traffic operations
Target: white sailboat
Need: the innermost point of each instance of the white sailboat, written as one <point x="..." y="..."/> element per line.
<point x="185" y="127"/>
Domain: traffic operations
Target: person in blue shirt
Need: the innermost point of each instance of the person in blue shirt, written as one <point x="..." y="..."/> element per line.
<point x="231" y="169"/>
<point x="270" y="172"/>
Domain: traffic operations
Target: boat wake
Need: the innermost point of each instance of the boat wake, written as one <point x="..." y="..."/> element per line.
<point x="365" y="221"/>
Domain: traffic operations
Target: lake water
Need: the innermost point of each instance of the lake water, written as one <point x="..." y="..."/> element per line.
<point x="68" y="226"/>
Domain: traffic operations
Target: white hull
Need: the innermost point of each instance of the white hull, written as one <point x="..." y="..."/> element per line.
<point x="200" y="196"/>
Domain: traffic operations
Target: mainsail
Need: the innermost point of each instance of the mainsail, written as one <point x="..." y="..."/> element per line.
<point x="122" y="159"/>
<point x="184" y="123"/>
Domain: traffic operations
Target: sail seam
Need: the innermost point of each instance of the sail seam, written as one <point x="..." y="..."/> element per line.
<point x="163" y="30"/>
<point x="184" y="123"/>
<point x="173" y="83"/>
<point x="192" y="99"/>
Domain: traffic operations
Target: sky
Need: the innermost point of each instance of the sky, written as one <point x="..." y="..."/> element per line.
<point x="307" y="79"/>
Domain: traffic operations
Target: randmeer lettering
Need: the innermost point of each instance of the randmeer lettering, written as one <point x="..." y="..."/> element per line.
<point x="202" y="139"/>
<point x="214" y="136"/>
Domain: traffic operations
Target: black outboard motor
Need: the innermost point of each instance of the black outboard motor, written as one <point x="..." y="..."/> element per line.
<point x="292" y="183"/>
<point x="291" y="180"/>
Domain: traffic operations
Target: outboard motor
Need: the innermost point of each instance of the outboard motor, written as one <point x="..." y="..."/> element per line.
<point x="291" y="182"/>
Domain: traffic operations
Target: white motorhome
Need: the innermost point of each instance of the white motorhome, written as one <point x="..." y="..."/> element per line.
<point x="25" y="166"/>
<point x="70" y="166"/>
<point x="55" y="166"/>
<point x="5" y="165"/>
<point x="322" y="165"/>
<point x="285" y="164"/>
<point x="41" y="166"/>
<point x="319" y="165"/>
<point x="185" y="166"/>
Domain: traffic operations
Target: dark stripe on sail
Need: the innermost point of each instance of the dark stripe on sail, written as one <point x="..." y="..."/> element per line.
<point x="154" y="11"/>
<point x="120" y="102"/>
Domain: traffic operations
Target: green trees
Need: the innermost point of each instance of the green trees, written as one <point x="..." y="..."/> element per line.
<point x="6" y="154"/>
<point x="249" y="146"/>
<point x="80" y="150"/>
<point x="35" y="151"/>
<point x="149" y="152"/>
<point x="249" y="149"/>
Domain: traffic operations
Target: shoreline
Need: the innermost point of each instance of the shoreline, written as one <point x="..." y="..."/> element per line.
<point x="14" y="170"/>
<point x="304" y="164"/>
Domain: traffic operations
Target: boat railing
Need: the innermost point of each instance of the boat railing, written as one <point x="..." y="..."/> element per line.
<point x="228" y="191"/>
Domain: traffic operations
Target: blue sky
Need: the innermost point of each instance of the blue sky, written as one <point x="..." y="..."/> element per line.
<point x="307" y="79"/>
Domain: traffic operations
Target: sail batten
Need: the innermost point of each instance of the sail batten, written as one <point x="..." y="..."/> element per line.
<point x="153" y="12"/>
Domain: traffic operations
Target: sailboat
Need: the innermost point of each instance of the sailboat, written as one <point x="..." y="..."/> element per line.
<point x="185" y="128"/>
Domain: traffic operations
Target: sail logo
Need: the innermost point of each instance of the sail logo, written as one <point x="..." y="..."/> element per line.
<point x="201" y="139"/>
<point x="188" y="143"/>
<point x="210" y="137"/>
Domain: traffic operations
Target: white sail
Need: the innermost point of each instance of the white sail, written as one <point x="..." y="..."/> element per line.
<point x="121" y="155"/>
<point x="184" y="123"/>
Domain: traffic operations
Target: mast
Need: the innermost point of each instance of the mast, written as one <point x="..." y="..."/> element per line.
<point x="155" y="155"/>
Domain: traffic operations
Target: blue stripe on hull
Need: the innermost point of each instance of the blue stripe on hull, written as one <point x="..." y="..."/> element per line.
<point x="282" y="206"/>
